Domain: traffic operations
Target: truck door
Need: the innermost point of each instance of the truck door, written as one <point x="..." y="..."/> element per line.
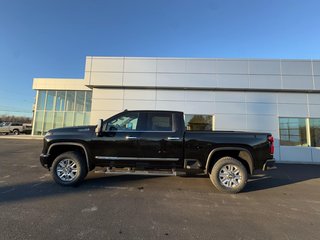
<point x="161" y="144"/>
<point x="118" y="142"/>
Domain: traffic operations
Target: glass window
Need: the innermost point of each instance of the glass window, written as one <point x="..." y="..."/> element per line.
<point x="60" y="100"/>
<point x="124" y="122"/>
<point x="159" y="122"/>
<point x="41" y="100"/>
<point x="88" y="101"/>
<point x="58" y="120"/>
<point x="38" y="123"/>
<point x="70" y="100"/>
<point x="50" y="100"/>
<point x="86" y="118"/>
<point x="293" y="132"/>
<point x="68" y="119"/>
<point x="315" y="132"/>
<point x="198" y="122"/>
<point x="48" y="123"/>
<point x="78" y="118"/>
<point x="80" y="100"/>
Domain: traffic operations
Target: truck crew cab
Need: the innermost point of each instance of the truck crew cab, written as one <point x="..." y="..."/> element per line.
<point x="155" y="142"/>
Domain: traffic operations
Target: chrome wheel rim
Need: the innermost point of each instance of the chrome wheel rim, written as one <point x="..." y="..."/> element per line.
<point x="67" y="170"/>
<point x="230" y="176"/>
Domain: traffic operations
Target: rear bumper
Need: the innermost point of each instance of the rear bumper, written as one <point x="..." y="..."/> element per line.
<point x="269" y="164"/>
<point x="44" y="160"/>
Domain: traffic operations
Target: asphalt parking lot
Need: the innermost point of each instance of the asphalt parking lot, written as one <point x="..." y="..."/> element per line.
<point x="282" y="204"/>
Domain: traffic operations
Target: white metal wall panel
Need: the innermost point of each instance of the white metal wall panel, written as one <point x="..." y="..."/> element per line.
<point x="230" y="122"/>
<point x="100" y="93"/>
<point x="233" y="81"/>
<point x="100" y="78"/>
<point x="293" y="67"/>
<point x="253" y="97"/>
<point x="232" y="66"/>
<point x="139" y="79"/>
<point x="186" y="80"/>
<point x="107" y="105"/>
<point x="137" y="94"/>
<point x="107" y="64"/>
<point x="230" y="108"/>
<point x="199" y="108"/>
<point x="264" y="67"/>
<point x="140" y="65"/>
<point x="292" y="110"/>
<point x="204" y="96"/>
<point x="297" y="82"/>
<point x="262" y="108"/>
<point x="316" y="67"/>
<point x="230" y="97"/>
<point x="295" y="154"/>
<point x="200" y="66"/>
<point x="265" y="81"/>
<point x="171" y="65"/>
<point x="170" y="95"/>
<point x="139" y="105"/>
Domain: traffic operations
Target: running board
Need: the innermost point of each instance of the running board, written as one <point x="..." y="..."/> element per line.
<point x="140" y="172"/>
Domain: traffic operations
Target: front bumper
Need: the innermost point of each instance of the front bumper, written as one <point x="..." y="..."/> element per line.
<point x="44" y="160"/>
<point x="269" y="164"/>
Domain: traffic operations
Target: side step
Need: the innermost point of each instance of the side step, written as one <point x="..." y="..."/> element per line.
<point x="129" y="171"/>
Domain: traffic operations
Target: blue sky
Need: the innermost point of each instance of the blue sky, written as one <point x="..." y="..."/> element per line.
<point x="50" y="38"/>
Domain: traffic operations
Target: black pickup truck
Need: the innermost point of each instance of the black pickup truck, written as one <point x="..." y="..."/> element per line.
<point x="155" y="142"/>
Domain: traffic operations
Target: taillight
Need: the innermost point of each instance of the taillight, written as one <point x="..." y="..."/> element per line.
<point x="271" y="141"/>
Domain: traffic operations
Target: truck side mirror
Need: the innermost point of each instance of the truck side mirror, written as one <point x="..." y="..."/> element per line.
<point x="99" y="127"/>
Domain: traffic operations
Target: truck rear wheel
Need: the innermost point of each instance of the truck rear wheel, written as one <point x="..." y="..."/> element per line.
<point x="69" y="169"/>
<point x="229" y="175"/>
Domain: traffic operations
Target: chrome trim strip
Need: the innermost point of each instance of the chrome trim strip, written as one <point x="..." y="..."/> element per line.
<point x="74" y="144"/>
<point x="134" y="159"/>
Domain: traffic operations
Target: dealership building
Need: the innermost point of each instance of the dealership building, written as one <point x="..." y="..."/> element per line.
<point x="261" y="95"/>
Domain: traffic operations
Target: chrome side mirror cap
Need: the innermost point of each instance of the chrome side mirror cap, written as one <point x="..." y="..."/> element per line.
<point x="99" y="127"/>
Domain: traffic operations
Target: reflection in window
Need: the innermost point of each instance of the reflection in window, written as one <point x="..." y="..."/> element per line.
<point x="61" y="108"/>
<point x="198" y="122"/>
<point x="70" y="100"/>
<point x="88" y="101"/>
<point x="41" y="100"/>
<point x="159" y="122"/>
<point x="50" y="100"/>
<point x="315" y="132"/>
<point x="125" y="122"/>
<point x="60" y="100"/>
<point x="80" y="101"/>
<point x="293" y="132"/>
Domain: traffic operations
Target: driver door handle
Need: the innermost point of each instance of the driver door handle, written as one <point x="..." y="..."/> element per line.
<point x="130" y="137"/>
<point x="173" y="138"/>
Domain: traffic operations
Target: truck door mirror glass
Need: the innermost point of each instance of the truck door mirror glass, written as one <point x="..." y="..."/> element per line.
<point x="99" y="127"/>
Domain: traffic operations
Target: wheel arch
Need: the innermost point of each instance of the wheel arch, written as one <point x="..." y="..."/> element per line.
<point x="56" y="149"/>
<point x="240" y="153"/>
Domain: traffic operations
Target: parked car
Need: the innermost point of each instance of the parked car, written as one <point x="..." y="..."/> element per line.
<point x="155" y="142"/>
<point x="15" y="128"/>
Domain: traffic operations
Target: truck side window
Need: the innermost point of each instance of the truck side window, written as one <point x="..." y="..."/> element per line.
<point x="159" y="122"/>
<point x="125" y="122"/>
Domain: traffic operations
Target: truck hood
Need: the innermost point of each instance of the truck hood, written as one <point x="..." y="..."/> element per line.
<point x="90" y="129"/>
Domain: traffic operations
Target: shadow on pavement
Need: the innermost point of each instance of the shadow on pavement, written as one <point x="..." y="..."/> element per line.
<point x="285" y="174"/>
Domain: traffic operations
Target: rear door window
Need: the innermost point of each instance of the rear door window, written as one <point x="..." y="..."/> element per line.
<point x="159" y="122"/>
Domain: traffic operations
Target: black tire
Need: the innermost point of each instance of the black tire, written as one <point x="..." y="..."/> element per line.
<point x="67" y="176"/>
<point x="16" y="132"/>
<point x="229" y="175"/>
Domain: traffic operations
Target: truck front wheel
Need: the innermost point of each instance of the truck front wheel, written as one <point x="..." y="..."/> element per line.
<point x="16" y="132"/>
<point x="229" y="175"/>
<point x="69" y="169"/>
